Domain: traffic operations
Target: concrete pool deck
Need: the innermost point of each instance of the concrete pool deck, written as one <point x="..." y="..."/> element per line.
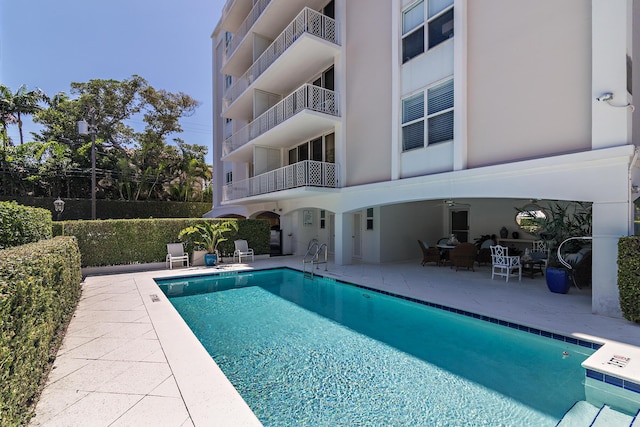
<point x="128" y="359"/>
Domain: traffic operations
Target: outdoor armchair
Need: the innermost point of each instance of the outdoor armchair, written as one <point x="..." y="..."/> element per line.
<point x="242" y="250"/>
<point x="429" y="254"/>
<point x="176" y="253"/>
<point x="503" y="264"/>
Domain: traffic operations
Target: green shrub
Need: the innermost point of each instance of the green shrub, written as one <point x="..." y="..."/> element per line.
<point x="22" y="224"/>
<point x="75" y="209"/>
<point x="39" y="290"/>
<point x="629" y="277"/>
<point x="133" y="241"/>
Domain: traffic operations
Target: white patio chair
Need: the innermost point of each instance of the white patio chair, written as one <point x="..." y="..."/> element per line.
<point x="176" y="253"/>
<point x="242" y="250"/>
<point x="502" y="264"/>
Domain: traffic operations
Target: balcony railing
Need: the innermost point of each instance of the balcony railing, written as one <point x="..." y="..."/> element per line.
<point x="308" y="21"/>
<point x="308" y="173"/>
<point x="246" y="25"/>
<point x="306" y="97"/>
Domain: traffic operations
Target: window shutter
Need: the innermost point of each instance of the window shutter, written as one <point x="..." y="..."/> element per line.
<point x="441" y="127"/>
<point x="413" y="136"/>
<point x="413" y="108"/>
<point x="440" y="97"/>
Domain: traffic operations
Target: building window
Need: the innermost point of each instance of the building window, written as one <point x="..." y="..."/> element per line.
<point x="413" y="31"/>
<point x="439" y="117"/>
<point x="440" y="113"/>
<point x="323" y="214"/>
<point x="227" y="39"/>
<point x="321" y="149"/>
<point x="227" y="81"/>
<point x="439" y="26"/>
<point x="413" y="122"/>
<point x="228" y="177"/>
<point x="369" y="218"/>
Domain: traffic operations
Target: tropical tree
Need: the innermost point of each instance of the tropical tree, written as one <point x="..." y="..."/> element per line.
<point x="131" y="164"/>
<point x="13" y="106"/>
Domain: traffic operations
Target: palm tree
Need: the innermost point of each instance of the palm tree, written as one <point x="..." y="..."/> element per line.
<point x="6" y="113"/>
<point x="15" y="105"/>
<point x="25" y="102"/>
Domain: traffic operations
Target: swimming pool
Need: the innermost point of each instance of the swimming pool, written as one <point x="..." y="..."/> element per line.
<point x="320" y="352"/>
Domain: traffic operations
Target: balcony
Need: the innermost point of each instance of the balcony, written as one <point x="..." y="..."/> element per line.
<point x="266" y="19"/>
<point x="308" y="173"/>
<point x="301" y="115"/>
<point x="233" y="13"/>
<point x="308" y="45"/>
<point x="240" y="34"/>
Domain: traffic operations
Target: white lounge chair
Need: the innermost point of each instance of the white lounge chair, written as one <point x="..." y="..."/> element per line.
<point x="242" y="250"/>
<point x="503" y="264"/>
<point x="176" y="253"/>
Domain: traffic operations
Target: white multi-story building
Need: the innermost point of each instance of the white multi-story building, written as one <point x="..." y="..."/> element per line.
<point x="370" y="124"/>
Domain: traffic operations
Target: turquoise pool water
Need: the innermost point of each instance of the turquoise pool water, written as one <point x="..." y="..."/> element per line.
<point x="323" y="353"/>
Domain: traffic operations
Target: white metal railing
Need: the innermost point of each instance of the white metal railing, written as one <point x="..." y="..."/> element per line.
<point x="306" y="97"/>
<point x="308" y="21"/>
<point x="246" y="25"/>
<point x="306" y="173"/>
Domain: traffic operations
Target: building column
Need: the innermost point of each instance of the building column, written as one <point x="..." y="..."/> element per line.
<point x="343" y="252"/>
<point x="611" y="121"/>
<point x="609" y="224"/>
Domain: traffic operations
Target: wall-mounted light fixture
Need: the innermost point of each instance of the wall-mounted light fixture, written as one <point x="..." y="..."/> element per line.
<point x="608" y="97"/>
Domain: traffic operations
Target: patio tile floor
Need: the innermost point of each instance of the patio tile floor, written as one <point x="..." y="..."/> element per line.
<point x="129" y="361"/>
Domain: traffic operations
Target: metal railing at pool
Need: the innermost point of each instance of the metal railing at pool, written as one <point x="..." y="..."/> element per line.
<point x="312" y="256"/>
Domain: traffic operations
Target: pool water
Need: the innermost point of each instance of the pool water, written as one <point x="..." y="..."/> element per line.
<point x="323" y="353"/>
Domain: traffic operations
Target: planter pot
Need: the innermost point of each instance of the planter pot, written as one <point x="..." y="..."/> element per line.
<point x="210" y="259"/>
<point x="558" y="280"/>
<point x="198" y="257"/>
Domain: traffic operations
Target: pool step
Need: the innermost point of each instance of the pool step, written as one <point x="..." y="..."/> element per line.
<point x="584" y="414"/>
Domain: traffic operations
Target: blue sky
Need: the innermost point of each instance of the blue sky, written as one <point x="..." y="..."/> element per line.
<point x="49" y="44"/>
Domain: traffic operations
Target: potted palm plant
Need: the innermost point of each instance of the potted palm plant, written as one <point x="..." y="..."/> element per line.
<point x="208" y="235"/>
<point x="563" y="220"/>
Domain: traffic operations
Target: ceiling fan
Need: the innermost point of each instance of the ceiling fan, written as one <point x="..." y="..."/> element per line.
<point x="452" y="204"/>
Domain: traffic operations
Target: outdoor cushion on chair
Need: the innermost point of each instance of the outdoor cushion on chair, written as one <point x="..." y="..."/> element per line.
<point x="429" y="254"/>
<point x="242" y="250"/>
<point x="176" y="253"/>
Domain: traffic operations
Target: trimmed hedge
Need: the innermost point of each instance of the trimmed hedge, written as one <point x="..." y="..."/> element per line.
<point x="629" y="277"/>
<point x="75" y="209"/>
<point x="39" y="290"/>
<point x="22" y="224"/>
<point x="134" y="241"/>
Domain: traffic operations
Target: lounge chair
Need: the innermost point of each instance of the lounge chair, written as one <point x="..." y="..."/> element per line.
<point x="176" y="253"/>
<point x="503" y="264"/>
<point x="429" y="254"/>
<point x="463" y="255"/>
<point x="242" y="250"/>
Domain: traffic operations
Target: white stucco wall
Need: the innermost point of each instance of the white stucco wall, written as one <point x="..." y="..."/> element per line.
<point x="529" y="79"/>
<point x="368" y="60"/>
